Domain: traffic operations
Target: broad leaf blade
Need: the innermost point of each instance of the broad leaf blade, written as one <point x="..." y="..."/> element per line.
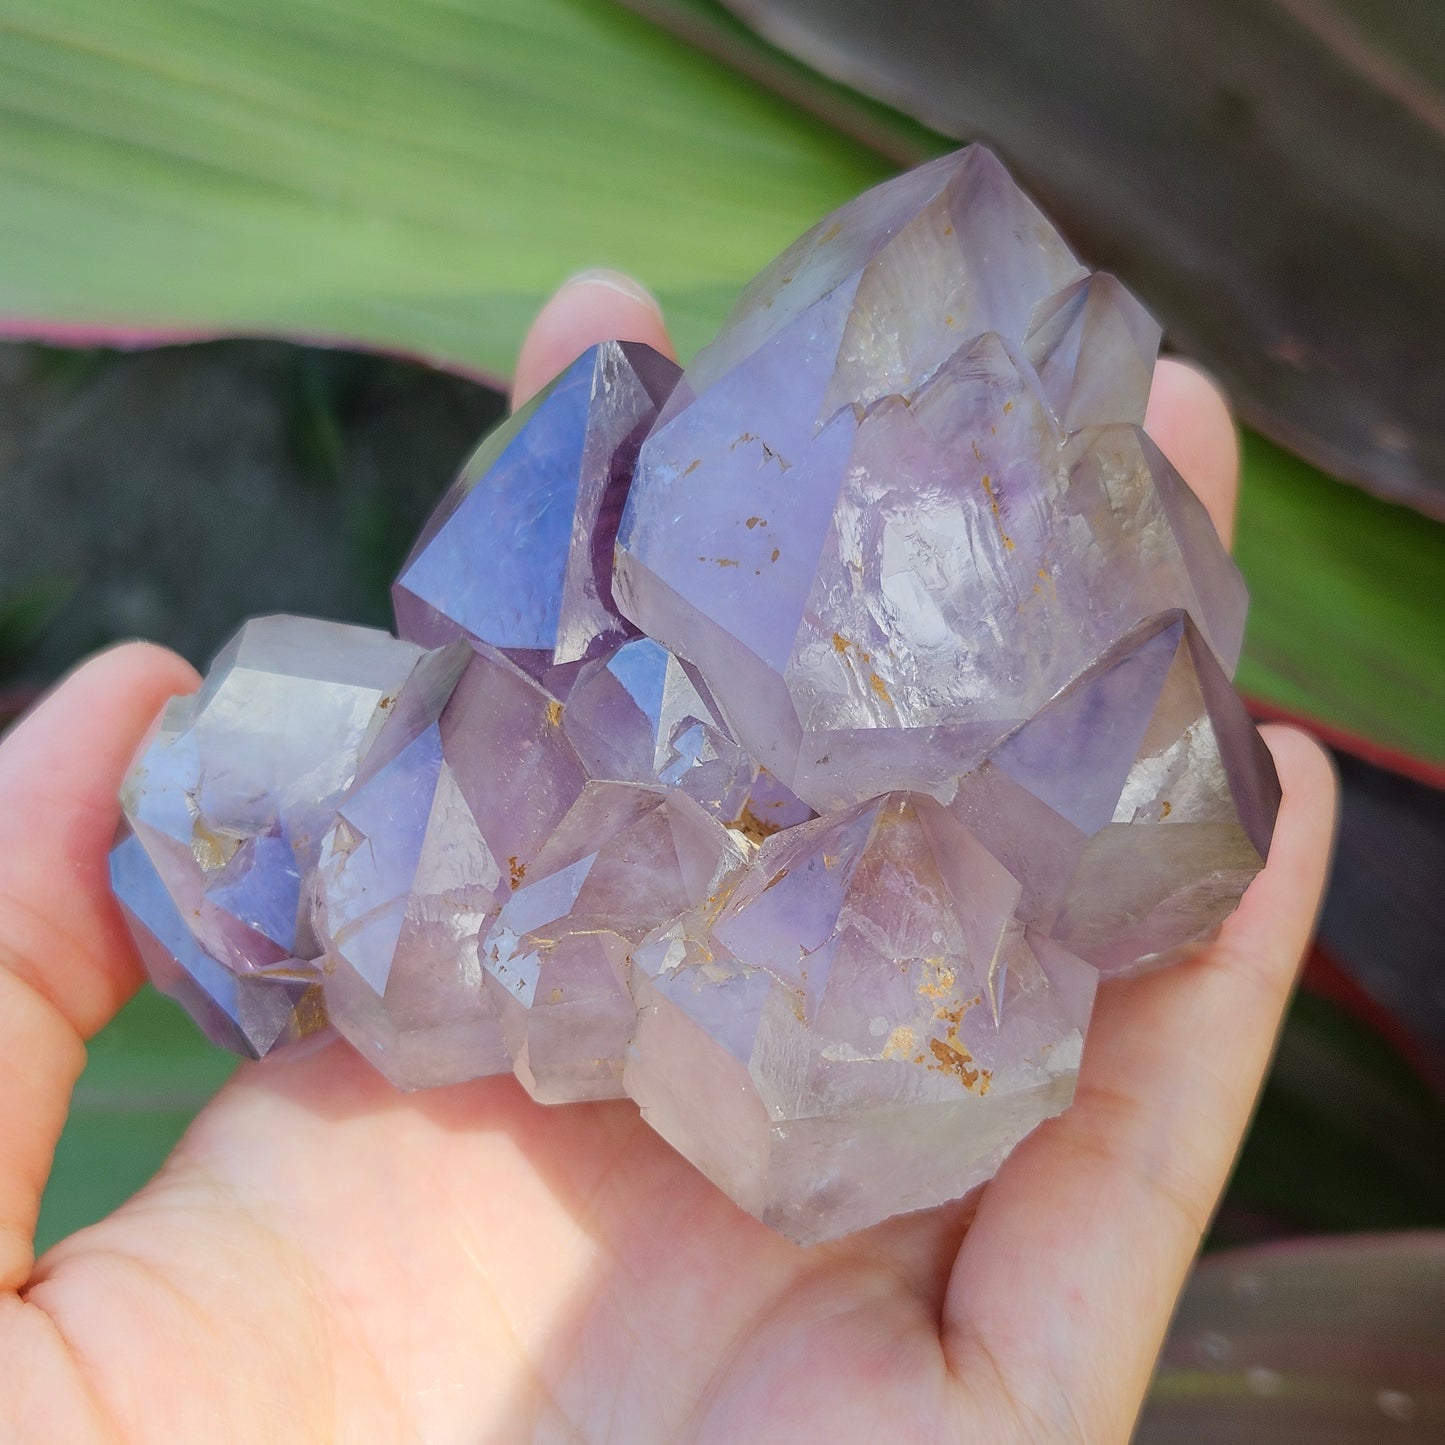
<point x="1384" y="916"/>
<point x="1323" y="1342"/>
<point x="1345" y="609"/>
<point x="1269" y="177"/>
<point x="1347" y="1136"/>
<point x="413" y="175"/>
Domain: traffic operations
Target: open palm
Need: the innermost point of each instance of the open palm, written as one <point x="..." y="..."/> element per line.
<point x="324" y="1259"/>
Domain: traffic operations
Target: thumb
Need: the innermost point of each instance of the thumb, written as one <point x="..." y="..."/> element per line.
<point x="66" y="960"/>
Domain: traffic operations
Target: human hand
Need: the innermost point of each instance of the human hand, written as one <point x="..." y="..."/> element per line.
<point x="325" y="1259"/>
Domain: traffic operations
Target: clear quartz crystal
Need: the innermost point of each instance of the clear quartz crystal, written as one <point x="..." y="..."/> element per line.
<point x="426" y="849"/>
<point x="801" y="736"/>
<point x="624" y="860"/>
<point x="229" y="799"/>
<point x="863" y="1027"/>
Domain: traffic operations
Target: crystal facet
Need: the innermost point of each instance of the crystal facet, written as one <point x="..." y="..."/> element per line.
<point x="519" y="553"/>
<point x="230" y="797"/>
<point x="624" y="860"/>
<point x="425" y="851"/>
<point x="803" y="736"/>
<point x="863" y="1027"/>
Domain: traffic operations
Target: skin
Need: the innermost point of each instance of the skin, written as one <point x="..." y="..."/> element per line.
<point x="323" y="1259"/>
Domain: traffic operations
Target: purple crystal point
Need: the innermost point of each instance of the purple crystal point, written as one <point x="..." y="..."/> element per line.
<point x="1135" y="806"/>
<point x="1093" y="347"/>
<point x="229" y="798"/>
<point x="624" y="860"/>
<point x="253" y="1011"/>
<point x="910" y="546"/>
<point x="518" y="554"/>
<point x="641" y="715"/>
<point x="1191" y="821"/>
<point x="864" y="1028"/>
<point x="896" y="280"/>
<point x="426" y="849"/>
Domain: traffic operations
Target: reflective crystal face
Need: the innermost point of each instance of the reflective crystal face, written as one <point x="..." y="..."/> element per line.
<point x="427" y="847"/>
<point x="249" y="1011"/>
<point x="801" y="740"/>
<point x="638" y="714"/>
<point x="230" y="796"/>
<point x="863" y="1027"/>
<point x="623" y="861"/>
<point x="519" y="553"/>
<point x="1136" y="806"/>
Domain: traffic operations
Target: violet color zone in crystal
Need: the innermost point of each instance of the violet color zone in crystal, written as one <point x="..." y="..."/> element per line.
<point x="789" y="744"/>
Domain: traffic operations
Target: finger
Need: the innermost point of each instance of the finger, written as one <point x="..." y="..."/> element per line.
<point x="1064" y="1287"/>
<point x="1190" y="421"/>
<point x="66" y="960"/>
<point x="594" y="306"/>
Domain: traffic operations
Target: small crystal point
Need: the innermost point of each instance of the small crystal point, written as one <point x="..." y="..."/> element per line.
<point x="518" y="555"/>
<point x="425" y="851"/>
<point x="1191" y="821"/>
<point x="1093" y="347"/>
<point x="624" y="860"/>
<point x="255" y="1012"/>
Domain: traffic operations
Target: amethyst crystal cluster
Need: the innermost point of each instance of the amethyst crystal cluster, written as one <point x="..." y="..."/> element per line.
<point x="789" y="744"/>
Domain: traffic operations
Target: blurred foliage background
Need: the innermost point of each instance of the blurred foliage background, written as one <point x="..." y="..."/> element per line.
<point x="413" y="177"/>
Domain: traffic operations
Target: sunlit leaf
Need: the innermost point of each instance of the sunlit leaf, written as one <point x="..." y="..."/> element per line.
<point x="1345" y="615"/>
<point x="413" y="174"/>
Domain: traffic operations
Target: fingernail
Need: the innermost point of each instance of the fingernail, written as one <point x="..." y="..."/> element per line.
<point x="1204" y="374"/>
<point x="617" y="281"/>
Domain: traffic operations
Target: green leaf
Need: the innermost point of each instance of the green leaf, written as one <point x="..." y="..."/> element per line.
<point x="412" y="174"/>
<point x="1345" y="596"/>
<point x="25" y="611"/>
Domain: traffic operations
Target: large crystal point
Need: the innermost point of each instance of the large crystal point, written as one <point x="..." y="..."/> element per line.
<point x="864" y="1027"/>
<point x="624" y="860"/>
<point x="231" y="795"/>
<point x="879" y="582"/>
<point x="427" y="847"/>
<point x="944" y="253"/>
<point x="518" y="554"/>
<point x="1135" y="806"/>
